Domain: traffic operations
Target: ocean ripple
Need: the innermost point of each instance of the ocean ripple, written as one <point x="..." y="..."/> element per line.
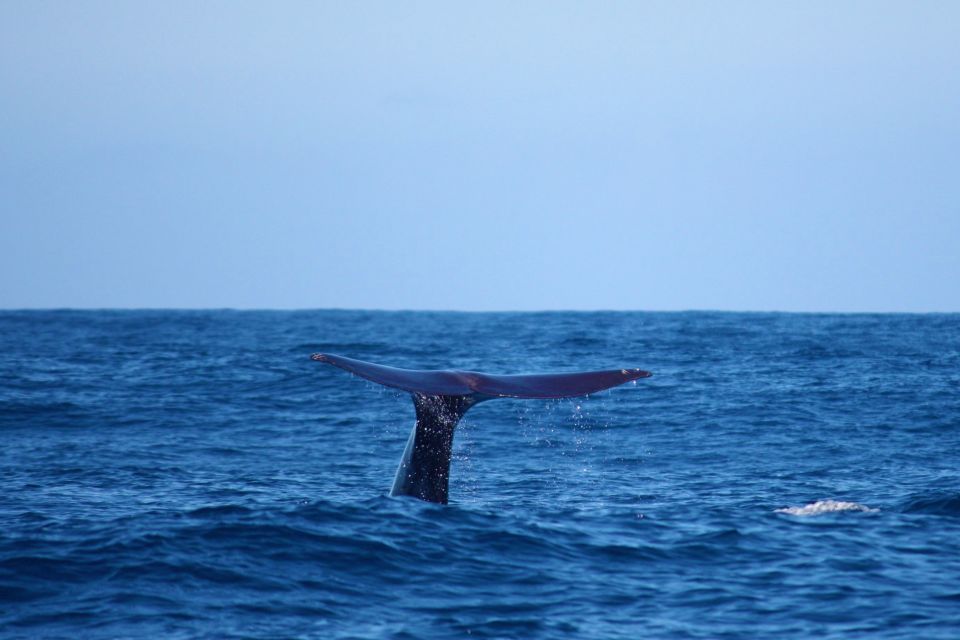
<point x="194" y="475"/>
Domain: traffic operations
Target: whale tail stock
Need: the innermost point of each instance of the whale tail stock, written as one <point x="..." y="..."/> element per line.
<point x="441" y="398"/>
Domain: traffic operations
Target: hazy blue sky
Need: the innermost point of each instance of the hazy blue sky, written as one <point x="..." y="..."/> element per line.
<point x="453" y="155"/>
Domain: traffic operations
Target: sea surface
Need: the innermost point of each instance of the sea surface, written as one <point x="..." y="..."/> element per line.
<point x="193" y="474"/>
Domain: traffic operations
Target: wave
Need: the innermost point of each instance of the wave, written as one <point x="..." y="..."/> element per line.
<point x="821" y="507"/>
<point x="940" y="503"/>
<point x="53" y="413"/>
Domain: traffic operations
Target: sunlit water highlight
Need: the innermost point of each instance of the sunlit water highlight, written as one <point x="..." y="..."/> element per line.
<point x="195" y="475"/>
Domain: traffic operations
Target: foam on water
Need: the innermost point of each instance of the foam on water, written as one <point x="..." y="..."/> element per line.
<point x="824" y="506"/>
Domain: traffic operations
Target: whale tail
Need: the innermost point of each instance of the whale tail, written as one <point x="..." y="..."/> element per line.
<point x="441" y="398"/>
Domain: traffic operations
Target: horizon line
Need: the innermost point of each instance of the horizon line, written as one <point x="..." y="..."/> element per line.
<point x="469" y="311"/>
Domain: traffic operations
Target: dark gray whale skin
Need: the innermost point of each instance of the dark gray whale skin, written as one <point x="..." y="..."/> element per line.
<point x="441" y="398"/>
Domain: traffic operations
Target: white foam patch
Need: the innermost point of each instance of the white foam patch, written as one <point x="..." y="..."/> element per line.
<point x="824" y="506"/>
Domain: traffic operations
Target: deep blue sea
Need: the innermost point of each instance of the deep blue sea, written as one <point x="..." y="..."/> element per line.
<point x="193" y="474"/>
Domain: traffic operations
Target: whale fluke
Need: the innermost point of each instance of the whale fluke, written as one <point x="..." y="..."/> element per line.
<point x="441" y="398"/>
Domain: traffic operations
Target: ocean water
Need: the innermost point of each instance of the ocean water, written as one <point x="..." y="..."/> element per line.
<point x="193" y="474"/>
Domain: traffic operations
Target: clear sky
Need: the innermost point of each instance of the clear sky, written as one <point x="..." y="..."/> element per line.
<point x="452" y="155"/>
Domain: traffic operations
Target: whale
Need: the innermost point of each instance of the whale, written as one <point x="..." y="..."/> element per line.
<point x="442" y="397"/>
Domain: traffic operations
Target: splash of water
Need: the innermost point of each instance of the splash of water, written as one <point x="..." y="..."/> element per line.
<point x="824" y="506"/>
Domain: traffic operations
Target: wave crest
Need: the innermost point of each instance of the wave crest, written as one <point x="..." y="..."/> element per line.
<point x="824" y="506"/>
